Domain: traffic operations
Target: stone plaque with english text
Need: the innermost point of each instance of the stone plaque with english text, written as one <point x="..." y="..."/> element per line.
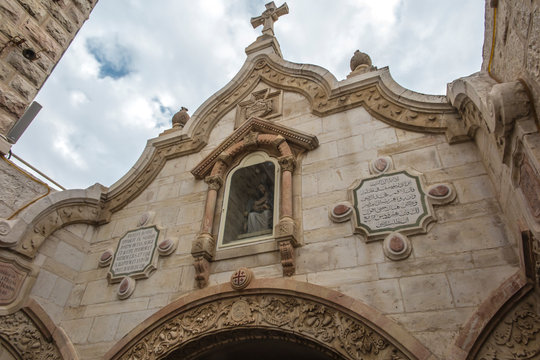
<point x="135" y="255"/>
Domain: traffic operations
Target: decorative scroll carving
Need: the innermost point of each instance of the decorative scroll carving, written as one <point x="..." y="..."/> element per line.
<point x="384" y="105"/>
<point x="472" y="118"/>
<point x="202" y="271"/>
<point x="517" y="335"/>
<point x="286" y="250"/>
<point x="317" y="322"/>
<point x="23" y="335"/>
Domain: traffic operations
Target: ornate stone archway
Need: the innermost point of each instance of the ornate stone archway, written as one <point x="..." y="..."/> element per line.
<point x="287" y="310"/>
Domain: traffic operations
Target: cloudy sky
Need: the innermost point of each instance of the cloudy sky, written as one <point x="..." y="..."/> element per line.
<point x="135" y="62"/>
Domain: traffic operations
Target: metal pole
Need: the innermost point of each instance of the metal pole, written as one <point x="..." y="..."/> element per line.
<point x="39" y="172"/>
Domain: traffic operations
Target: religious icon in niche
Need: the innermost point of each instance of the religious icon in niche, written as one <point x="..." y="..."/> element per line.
<point x="250" y="209"/>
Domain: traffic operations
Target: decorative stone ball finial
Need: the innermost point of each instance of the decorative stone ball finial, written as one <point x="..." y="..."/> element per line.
<point x="180" y="118"/>
<point x="359" y="58"/>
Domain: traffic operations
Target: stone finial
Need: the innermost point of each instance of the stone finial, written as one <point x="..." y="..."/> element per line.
<point x="360" y="63"/>
<point x="360" y="58"/>
<point x="180" y="118"/>
<point x="269" y="17"/>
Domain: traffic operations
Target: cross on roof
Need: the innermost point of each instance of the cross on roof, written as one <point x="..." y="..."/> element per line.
<point x="269" y="17"/>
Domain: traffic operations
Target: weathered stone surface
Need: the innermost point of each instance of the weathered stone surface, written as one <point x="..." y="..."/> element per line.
<point x="383" y="295"/>
<point x="23" y="87"/>
<point x="103" y="328"/>
<point x="29" y="69"/>
<point x="12" y="103"/>
<point x="426" y="292"/>
<point x="57" y="32"/>
<point x="34" y="8"/>
<point x="10" y="11"/>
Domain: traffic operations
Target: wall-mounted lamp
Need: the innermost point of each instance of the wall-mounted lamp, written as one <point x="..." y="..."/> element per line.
<point x="31" y="54"/>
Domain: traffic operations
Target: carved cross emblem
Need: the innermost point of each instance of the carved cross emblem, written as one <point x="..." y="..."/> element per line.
<point x="241" y="278"/>
<point x="269" y="17"/>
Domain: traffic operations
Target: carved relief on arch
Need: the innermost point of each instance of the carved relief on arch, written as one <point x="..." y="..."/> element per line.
<point x="56" y="217"/>
<point x="25" y="233"/>
<point x="345" y="327"/>
<point x="31" y="334"/>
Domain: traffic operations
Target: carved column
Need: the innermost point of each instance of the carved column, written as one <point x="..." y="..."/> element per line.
<point x="285" y="229"/>
<point x="204" y="246"/>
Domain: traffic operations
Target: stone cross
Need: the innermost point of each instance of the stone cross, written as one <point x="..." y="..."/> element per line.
<point x="269" y="17"/>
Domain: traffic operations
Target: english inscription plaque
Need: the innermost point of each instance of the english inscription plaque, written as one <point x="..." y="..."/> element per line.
<point x="11" y="280"/>
<point x="390" y="202"/>
<point x="135" y="255"/>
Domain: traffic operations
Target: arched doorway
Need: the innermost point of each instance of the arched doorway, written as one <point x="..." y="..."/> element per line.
<point x="260" y="344"/>
<point x="276" y="318"/>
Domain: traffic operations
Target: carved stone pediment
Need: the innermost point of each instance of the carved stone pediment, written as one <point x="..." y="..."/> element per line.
<point x="378" y="93"/>
<point x="298" y="141"/>
<point x="264" y="104"/>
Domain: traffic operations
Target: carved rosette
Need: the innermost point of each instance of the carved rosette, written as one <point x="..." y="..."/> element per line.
<point x="291" y="316"/>
<point x="517" y="334"/>
<point x="20" y="331"/>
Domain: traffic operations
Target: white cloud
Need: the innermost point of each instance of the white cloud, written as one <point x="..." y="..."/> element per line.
<point x="181" y="52"/>
<point x="77" y="98"/>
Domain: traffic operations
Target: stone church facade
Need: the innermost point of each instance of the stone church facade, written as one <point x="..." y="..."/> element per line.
<point x="296" y="215"/>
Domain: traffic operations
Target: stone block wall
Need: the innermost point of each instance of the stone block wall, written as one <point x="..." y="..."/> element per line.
<point x="45" y="26"/>
<point x="462" y="258"/>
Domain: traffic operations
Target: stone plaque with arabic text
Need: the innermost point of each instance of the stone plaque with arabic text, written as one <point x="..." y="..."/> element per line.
<point x="390" y="202"/>
<point x="135" y="255"/>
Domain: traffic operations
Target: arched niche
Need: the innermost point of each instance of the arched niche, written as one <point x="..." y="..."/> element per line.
<point x="281" y="146"/>
<point x="278" y="311"/>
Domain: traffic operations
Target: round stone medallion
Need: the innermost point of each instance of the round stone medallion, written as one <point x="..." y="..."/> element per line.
<point x="166" y="247"/>
<point x="380" y="165"/>
<point x="144" y="219"/>
<point x="241" y="278"/>
<point x="240" y="311"/>
<point x="439" y="191"/>
<point x="126" y="288"/>
<point x="397" y="246"/>
<point x="106" y="257"/>
<point x="441" y="194"/>
<point x="340" y="212"/>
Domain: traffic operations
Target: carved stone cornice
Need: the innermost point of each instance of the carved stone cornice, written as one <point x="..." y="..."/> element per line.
<point x="315" y="321"/>
<point x="253" y="126"/>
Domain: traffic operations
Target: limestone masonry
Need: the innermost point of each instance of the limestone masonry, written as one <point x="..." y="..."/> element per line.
<point x="292" y="213"/>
